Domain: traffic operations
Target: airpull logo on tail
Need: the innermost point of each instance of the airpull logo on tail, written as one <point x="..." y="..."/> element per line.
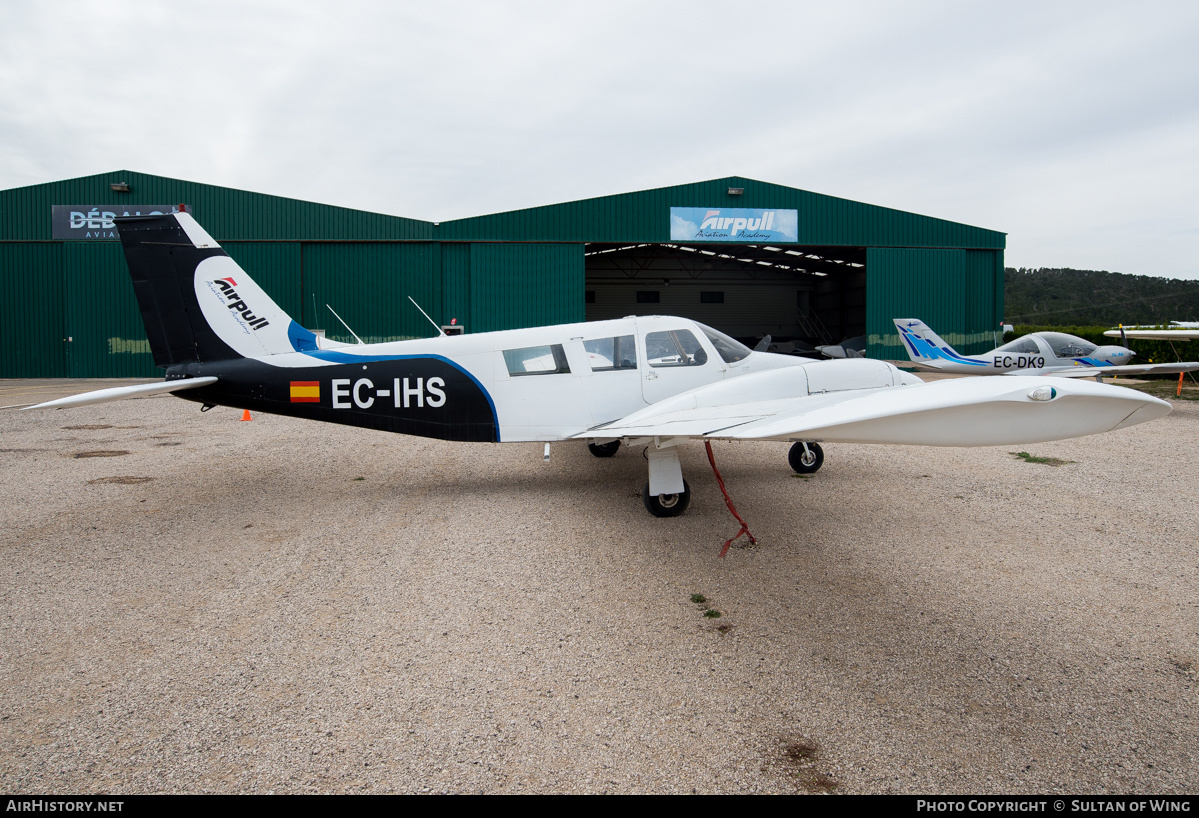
<point x="238" y="305"/>
<point x="240" y="313"/>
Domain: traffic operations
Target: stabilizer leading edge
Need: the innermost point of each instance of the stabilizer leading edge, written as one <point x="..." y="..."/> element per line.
<point x="124" y="392"/>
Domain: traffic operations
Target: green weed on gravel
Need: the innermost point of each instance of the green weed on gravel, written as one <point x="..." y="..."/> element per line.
<point x="1048" y="461"/>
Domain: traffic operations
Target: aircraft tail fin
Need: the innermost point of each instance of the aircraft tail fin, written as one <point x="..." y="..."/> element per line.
<point x="922" y="344"/>
<point x="197" y="303"/>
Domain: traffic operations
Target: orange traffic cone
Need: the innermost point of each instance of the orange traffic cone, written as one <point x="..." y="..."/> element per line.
<point x="245" y="415"/>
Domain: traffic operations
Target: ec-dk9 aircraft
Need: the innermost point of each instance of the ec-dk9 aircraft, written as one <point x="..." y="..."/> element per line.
<point x="1039" y="353"/>
<point x="647" y="381"/>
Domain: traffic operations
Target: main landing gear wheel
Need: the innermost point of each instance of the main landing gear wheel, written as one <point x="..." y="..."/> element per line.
<point x="806" y="462"/>
<point x="666" y="505"/>
<point x="603" y="449"/>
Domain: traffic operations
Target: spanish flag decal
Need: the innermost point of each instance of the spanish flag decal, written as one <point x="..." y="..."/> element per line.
<point x="305" y="391"/>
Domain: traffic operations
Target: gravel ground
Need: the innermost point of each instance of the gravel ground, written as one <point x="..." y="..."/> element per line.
<point x="190" y="603"/>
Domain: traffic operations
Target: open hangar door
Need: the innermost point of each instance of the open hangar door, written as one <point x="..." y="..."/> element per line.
<point x="811" y="294"/>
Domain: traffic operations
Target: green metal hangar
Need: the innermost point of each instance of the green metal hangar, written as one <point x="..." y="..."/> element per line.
<point x="744" y="256"/>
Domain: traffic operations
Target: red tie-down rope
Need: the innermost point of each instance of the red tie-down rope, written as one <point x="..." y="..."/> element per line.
<point x="728" y="502"/>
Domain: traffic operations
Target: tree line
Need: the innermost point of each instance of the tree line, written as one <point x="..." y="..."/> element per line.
<point x="1066" y="297"/>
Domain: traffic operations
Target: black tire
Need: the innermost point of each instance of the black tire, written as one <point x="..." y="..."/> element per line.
<point x="815" y="458"/>
<point x="666" y="505"/>
<point x="603" y="449"/>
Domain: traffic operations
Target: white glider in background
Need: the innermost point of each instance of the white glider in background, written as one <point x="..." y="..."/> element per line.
<point x="1177" y="331"/>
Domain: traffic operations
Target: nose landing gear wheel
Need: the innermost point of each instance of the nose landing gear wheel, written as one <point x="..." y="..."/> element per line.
<point x="603" y="449"/>
<point x="666" y="505"/>
<point x="806" y="461"/>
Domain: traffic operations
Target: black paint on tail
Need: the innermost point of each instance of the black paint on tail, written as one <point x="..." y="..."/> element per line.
<point x="162" y="260"/>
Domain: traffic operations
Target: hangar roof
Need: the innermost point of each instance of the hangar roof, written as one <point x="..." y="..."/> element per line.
<point x="625" y="218"/>
<point x="644" y="217"/>
<point x="226" y="213"/>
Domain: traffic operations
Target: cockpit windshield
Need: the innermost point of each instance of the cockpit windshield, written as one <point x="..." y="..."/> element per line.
<point x="730" y="349"/>
<point x="1067" y="346"/>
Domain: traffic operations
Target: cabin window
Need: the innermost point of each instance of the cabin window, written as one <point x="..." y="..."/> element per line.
<point x="545" y="360"/>
<point x="676" y="347"/>
<point x="611" y="354"/>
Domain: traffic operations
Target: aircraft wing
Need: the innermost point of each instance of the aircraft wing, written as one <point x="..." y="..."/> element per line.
<point x="1156" y="334"/>
<point x="1129" y="369"/>
<point x="959" y="412"/>
<point x="123" y="392"/>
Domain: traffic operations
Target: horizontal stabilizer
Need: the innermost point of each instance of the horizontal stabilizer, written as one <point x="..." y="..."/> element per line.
<point x="124" y="392"/>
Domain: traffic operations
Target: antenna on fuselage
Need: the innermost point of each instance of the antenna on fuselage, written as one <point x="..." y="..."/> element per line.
<point x="344" y="324"/>
<point x="426" y="315"/>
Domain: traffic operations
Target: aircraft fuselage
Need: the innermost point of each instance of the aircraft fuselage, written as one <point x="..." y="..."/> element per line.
<point x="543" y="383"/>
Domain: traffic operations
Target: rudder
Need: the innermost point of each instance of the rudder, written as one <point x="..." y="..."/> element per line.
<point x="922" y="344"/>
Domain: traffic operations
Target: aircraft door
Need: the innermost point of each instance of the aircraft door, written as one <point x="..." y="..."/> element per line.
<point x="676" y="360"/>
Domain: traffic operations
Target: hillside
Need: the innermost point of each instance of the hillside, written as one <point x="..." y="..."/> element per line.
<point x="1079" y="297"/>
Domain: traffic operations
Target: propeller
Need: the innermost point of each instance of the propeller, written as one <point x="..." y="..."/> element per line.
<point x="1123" y="337"/>
<point x="763" y="344"/>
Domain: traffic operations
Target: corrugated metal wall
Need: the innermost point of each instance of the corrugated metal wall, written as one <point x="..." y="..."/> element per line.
<point x="31" y="320"/>
<point x="525" y="285"/>
<point x="101" y="315"/>
<point x="984" y="301"/>
<point x="953" y="291"/>
<point x="369" y="285"/>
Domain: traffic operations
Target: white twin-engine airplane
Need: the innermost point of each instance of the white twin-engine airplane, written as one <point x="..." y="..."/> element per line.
<point x="1039" y="353"/>
<point x="648" y="381"/>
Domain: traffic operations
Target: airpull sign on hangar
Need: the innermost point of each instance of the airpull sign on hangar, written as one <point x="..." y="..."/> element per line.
<point x="747" y="257"/>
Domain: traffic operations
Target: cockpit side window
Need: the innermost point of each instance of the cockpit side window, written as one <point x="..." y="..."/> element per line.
<point x="611" y="354"/>
<point x="730" y="349"/>
<point x="1021" y="346"/>
<point x="543" y="360"/>
<point x="676" y="347"/>
<point x="1068" y="346"/>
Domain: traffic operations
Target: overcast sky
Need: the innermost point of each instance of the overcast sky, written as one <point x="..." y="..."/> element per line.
<point x="1073" y="127"/>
